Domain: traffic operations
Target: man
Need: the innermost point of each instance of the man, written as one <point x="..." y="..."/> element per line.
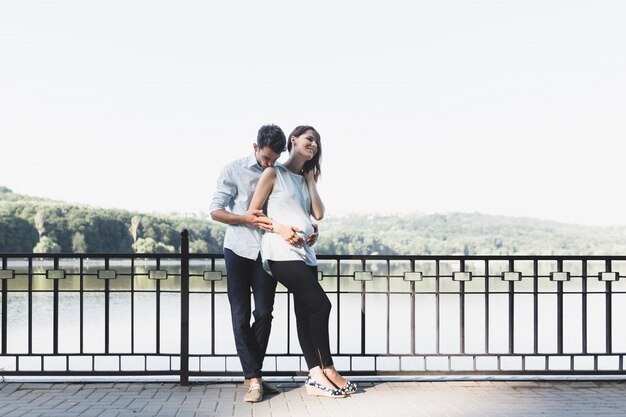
<point x="242" y="244"/>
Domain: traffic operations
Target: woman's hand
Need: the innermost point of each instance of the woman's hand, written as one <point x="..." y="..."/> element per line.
<point x="309" y="176"/>
<point x="317" y="207"/>
<point x="290" y="234"/>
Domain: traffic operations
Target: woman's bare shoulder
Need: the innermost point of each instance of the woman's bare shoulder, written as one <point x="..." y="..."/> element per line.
<point x="269" y="174"/>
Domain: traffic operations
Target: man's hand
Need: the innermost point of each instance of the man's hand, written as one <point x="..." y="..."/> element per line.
<point x="312" y="238"/>
<point x="290" y="234"/>
<point x="258" y="219"/>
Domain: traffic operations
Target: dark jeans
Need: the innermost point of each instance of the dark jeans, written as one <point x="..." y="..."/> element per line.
<point x="312" y="308"/>
<point x="250" y="341"/>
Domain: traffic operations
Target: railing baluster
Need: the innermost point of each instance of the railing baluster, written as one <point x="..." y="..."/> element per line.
<point x="388" y="297"/>
<point x="462" y="312"/>
<point x="412" y="307"/>
<point x="107" y="310"/>
<point x="338" y="307"/>
<point x="184" y="308"/>
<point x="559" y="309"/>
<point x="55" y="314"/>
<point x="584" y="307"/>
<point x="81" y="319"/>
<point x="487" y="279"/>
<point x="157" y="296"/>
<point x="437" y="306"/>
<point x="30" y="306"/>
<point x="536" y="306"/>
<point x="4" y="308"/>
<point x="213" y="310"/>
<point x="132" y="304"/>
<point x="511" y="317"/>
<point x="288" y="322"/>
<point x="363" y="298"/>
<point x="609" y="311"/>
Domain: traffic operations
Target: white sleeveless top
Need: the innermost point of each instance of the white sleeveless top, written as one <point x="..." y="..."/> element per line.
<point x="289" y="204"/>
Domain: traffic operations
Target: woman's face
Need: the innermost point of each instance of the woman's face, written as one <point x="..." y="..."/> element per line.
<point x="306" y="144"/>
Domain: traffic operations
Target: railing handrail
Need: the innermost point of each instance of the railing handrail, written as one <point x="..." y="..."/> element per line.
<point x="453" y="257"/>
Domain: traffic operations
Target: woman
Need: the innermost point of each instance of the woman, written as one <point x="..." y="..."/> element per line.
<point x="291" y="193"/>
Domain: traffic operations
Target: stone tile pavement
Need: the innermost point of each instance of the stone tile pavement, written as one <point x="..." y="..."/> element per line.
<point x="376" y="398"/>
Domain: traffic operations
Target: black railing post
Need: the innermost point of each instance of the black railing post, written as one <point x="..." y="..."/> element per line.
<point x="184" y="307"/>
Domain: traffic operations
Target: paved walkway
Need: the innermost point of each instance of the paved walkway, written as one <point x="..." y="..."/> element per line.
<point x="375" y="398"/>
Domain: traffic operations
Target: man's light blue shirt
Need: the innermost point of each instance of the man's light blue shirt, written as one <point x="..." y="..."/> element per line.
<point x="234" y="191"/>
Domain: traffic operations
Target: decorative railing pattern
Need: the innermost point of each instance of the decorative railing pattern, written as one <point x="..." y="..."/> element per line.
<point x="168" y="314"/>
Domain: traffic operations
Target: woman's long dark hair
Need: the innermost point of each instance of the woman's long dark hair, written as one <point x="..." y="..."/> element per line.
<point x="316" y="161"/>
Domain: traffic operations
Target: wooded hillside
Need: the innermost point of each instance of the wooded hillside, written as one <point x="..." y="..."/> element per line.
<point x="30" y="224"/>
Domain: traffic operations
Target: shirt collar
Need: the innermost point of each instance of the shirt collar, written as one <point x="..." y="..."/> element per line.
<point x="251" y="161"/>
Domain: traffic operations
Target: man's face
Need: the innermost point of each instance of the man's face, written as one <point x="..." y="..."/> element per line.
<point x="265" y="156"/>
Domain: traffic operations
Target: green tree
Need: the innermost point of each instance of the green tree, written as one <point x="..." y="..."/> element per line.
<point x="40" y="222"/>
<point x="161" y="229"/>
<point x="135" y="224"/>
<point x="198" y="246"/>
<point x="54" y="221"/>
<point x="149" y="245"/>
<point x="16" y="234"/>
<point x="212" y="233"/>
<point x="107" y="234"/>
<point x="47" y="245"/>
<point x="358" y="243"/>
<point x="79" y="245"/>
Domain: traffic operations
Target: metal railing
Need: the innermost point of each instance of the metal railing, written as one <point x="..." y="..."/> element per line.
<point x="168" y="314"/>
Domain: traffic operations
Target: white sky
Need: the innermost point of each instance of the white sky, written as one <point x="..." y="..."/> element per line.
<point x="496" y="106"/>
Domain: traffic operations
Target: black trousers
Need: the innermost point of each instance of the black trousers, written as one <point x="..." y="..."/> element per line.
<point x="312" y="308"/>
<point x="250" y="341"/>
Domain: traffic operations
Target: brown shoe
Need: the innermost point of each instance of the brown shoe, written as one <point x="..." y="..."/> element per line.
<point x="254" y="394"/>
<point x="268" y="389"/>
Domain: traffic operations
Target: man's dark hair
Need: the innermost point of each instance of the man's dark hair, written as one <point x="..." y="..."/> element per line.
<point x="272" y="136"/>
